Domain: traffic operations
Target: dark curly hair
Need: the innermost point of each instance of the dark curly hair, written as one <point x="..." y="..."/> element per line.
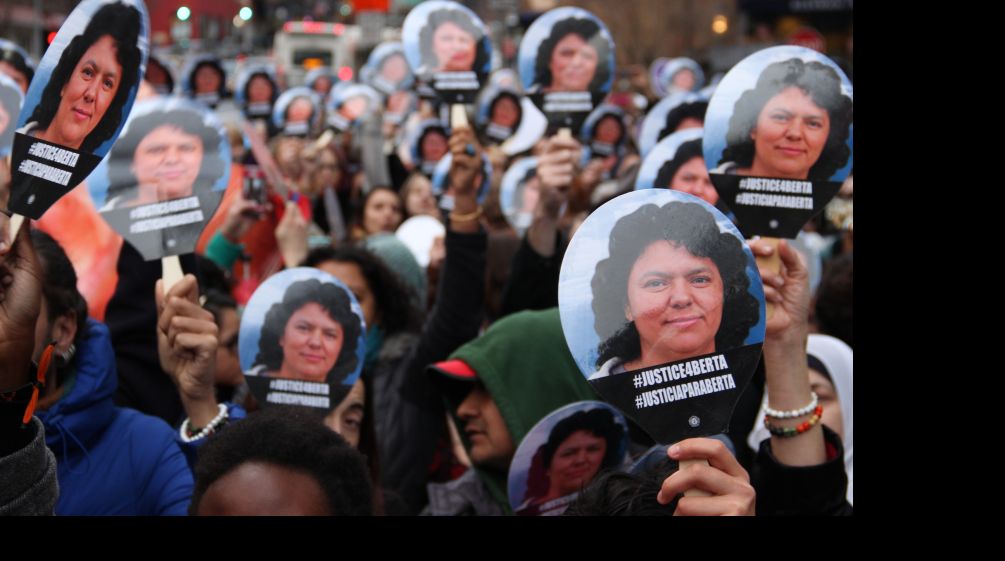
<point x="815" y="79"/>
<point x="217" y="67"/>
<point x="152" y="62"/>
<point x="684" y="153"/>
<point x="598" y="421"/>
<point x="292" y="438"/>
<point x="17" y="58"/>
<point x="335" y="301"/>
<point x="513" y="97"/>
<point x="120" y="177"/>
<point x="693" y="227"/>
<point x="462" y="20"/>
<point x="396" y="313"/>
<point x="122" y="23"/>
<point x="615" y="493"/>
<point x="59" y="283"/>
<point x="674" y="117"/>
<point x="272" y="84"/>
<point x="589" y="31"/>
<point x="426" y="132"/>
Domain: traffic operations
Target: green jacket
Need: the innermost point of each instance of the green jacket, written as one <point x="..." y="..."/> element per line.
<point x="526" y="366"/>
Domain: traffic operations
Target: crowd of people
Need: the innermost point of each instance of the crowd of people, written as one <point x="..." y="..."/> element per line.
<point x="125" y="396"/>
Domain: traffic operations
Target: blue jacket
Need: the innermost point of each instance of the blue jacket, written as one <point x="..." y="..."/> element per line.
<point x="111" y="460"/>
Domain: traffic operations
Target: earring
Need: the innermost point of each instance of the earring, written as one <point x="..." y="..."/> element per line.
<point x="67" y="355"/>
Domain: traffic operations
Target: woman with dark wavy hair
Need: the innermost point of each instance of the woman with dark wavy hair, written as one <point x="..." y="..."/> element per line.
<point x="794" y="124"/>
<point x="163" y="155"/>
<point x="451" y="42"/>
<point x="674" y="287"/>
<point x="574" y="58"/>
<point x="578" y="447"/>
<point x="81" y="106"/>
<point x="311" y="335"/>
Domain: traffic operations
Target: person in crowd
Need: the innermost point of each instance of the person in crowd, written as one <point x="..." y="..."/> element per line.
<point x="110" y="460"/>
<point x="280" y="462"/>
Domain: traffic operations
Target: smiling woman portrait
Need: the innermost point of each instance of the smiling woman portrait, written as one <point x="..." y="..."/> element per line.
<point x="81" y="106"/>
<point x="794" y="124"/>
<point x="578" y="447"/>
<point x="310" y="335"/>
<point x="674" y="287"/>
<point x="451" y="42"/>
<point x="163" y="155"/>
<point x="574" y="58"/>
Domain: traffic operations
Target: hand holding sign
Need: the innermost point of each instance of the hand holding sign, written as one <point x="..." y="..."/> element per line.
<point x="187" y="339"/>
<point x="713" y="482"/>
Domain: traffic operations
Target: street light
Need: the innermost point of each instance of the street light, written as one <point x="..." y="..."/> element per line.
<point x="245" y="13"/>
<point x="183" y="13"/>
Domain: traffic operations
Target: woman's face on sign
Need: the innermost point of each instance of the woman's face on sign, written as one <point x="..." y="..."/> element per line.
<point x="577" y="459"/>
<point x="692" y="178"/>
<point x="394" y="69"/>
<point x="608" y="130"/>
<point x="87" y="94"/>
<point x="789" y="136"/>
<point x="573" y="64"/>
<point x="676" y="301"/>
<point x="311" y="343"/>
<point x="505" y="112"/>
<point x="454" y="48"/>
<point x="207" y="79"/>
<point x="259" y="90"/>
<point x="167" y="163"/>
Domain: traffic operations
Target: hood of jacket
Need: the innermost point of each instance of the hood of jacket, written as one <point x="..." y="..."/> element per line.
<point x="526" y="366"/>
<point x="82" y="413"/>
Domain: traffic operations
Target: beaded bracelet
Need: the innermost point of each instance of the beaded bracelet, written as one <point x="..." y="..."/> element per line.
<point x="787" y="432"/>
<point x="190" y="435"/>
<point x="795" y="412"/>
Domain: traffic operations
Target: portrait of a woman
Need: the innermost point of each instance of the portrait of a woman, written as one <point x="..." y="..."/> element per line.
<point x="578" y="447"/>
<point x="674" y="287"/>
<point x="574" y="58"/>
<point x="794" y="124"/>
<point x="81" y="106"/>
<point x="163" y="155"/>
<point x="686" y="172"/>
<point x="451" y="41"/>
<point x="206" y="81"/>
<point x="310" y="335"/>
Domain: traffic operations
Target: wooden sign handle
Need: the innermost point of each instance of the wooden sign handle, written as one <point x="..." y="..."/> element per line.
<point x="15" y="226"/>
<point x="172" y="272"/>
<point x="772" y="263"/>
<point x="458" y="116"/>
<point x="694" y="492"/>
<point x="565" y="133"/>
